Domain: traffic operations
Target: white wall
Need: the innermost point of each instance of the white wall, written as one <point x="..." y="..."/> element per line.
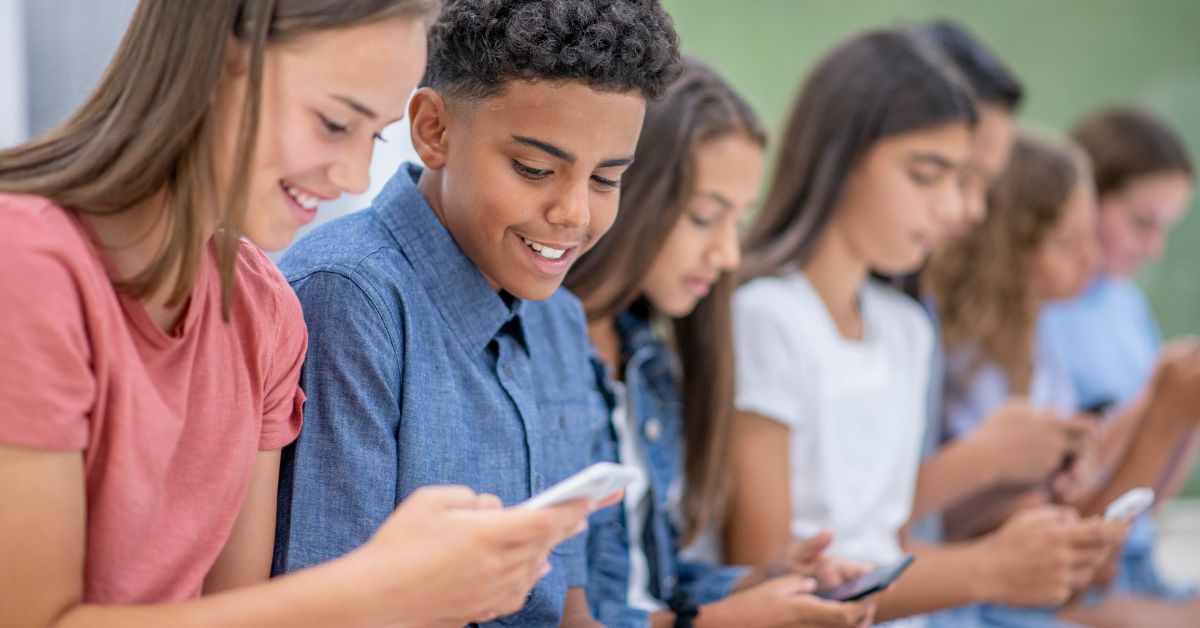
<point x="14" y="117"/>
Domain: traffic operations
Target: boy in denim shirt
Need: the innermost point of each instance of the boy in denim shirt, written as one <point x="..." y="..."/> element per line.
<point x="442" y="349"/>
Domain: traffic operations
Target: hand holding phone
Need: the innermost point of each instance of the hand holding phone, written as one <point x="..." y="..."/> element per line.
<point x="593" y="483"/>
<point x="1128" y="506"/>
<point x="869" y="584"/>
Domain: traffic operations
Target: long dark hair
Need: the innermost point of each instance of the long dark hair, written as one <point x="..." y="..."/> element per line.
<point x="147" y="127"/>
<point x="699" y="107"/>
<point x="872" y="86"/>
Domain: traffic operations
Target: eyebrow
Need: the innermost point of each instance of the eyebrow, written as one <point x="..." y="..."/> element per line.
<point x="719" y="198"/>
<point x="566" y="155"/>
<point x="357" y="106"/>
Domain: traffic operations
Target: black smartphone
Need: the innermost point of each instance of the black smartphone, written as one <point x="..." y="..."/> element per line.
<point x="869" y="583"/>
<point x="1098" y="409"/>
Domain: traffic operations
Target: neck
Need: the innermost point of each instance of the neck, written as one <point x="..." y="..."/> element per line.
<point x="132" y="239"/>
<point x="603" y="334"/>
<point x="837" y="274"/>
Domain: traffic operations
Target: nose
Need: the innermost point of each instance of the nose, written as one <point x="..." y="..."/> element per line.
<point x="726" y="249"/>
<point x="974" y="202"/>
<point x="950" y="209"/>
<point x="351" y="170"/>
<point x="1090" y="258"/>
<point x="1156" y="244"/>
<point x="570" y="207"/>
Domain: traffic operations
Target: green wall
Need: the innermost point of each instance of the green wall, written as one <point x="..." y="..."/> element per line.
<point x="1072" y="55"/>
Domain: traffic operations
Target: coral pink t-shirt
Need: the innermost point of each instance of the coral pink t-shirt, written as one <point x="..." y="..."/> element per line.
<point x="168" y="424"/>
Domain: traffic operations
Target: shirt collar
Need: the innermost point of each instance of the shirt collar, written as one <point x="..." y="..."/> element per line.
<point x="470" y="308"/>
<point x="636" y="332"/>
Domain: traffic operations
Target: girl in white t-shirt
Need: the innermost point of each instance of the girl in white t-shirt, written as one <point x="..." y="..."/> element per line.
<point x="832" y="367"/>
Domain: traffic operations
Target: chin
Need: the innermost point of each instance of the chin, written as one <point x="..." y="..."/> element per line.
<point x="531" y="290"/>
<point x="678" y="309"/>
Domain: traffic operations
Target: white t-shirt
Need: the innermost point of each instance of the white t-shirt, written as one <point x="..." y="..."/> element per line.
<point x="636" y="502"/>
<point x="856" y="410"/>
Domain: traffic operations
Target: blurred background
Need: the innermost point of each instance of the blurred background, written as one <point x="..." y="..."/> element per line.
<point x="1072" y="55"/>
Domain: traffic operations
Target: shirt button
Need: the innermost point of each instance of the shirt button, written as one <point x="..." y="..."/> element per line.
<point x="537" y="481"/>
<point x="653" y="430"/>
<point x="562" y="421"/>
<point x="508" y="371"/>
<point x="670" y="582"/>
<point x="528" y="598"/>
<point x="616" y="527"/>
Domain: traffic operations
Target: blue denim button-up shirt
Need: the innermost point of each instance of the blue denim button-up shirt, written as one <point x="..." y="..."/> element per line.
<point x="419" y="373"/>
<point x="651" y="386"/>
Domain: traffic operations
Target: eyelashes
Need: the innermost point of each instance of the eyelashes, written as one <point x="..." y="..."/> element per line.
<point x="538" y="174"/>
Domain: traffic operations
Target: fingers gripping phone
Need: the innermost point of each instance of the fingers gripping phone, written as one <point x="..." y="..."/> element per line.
<point x="593" y="483"/>
<point x="1128" y="506"/>
<point x="869" y="583"/>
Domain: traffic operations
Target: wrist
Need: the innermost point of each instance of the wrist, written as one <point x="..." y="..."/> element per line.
<point x="363" y="599"/>
<point x="982" y="583"/>
<point x="713" y="615"/>
<point x="685" y="611"/>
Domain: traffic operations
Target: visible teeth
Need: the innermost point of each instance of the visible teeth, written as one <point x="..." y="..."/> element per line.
<point x="306" y="201"/>
<point x="543" y="250"/>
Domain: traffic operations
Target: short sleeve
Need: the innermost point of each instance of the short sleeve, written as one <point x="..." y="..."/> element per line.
<point x="47" y="385"/>
<point x="766" y="371"/>
<point x="283" y="400"/>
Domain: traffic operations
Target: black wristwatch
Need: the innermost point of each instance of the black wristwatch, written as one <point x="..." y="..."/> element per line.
<point x="684" y="610"/>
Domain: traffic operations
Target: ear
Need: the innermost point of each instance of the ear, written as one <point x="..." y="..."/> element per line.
<point x="236" y="60"/>
<point x="429" y="123"/>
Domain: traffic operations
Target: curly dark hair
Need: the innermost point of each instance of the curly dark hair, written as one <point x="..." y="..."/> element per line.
<point x="477" y="46"/>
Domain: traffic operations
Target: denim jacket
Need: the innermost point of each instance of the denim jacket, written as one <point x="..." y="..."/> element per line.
<point x="652" y="388"/>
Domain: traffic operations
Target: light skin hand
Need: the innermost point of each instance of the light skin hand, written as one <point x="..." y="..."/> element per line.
<point x="808" y="558"/>
<point x="1175" y="386"/>
<point x="1027" y="445"/>
<point x="496" y="556"/>
<point x="784" y="601"/>
<point x="1043" y="555"/>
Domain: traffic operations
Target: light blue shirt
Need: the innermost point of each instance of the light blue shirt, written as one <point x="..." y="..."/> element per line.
<point x="419" y="373"/>
<point x="1108" y="338"/>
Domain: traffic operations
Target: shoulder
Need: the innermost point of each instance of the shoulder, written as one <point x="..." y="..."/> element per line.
<point x="43" y="245"/>
<point x="903" y="319"/>
<point x="782" y="300"/>
<point x="768" y="293"/>
<point x="357" y="244"/>
<point x="264" y="296"/>
<point x="37" y="223"/>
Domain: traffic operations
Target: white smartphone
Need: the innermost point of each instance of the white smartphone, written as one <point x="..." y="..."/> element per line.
<point x="1129" y="505"/>
<point x="594" y="483"/>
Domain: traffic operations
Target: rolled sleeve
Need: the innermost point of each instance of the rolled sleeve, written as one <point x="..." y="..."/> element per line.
<point x="706" y="584"/>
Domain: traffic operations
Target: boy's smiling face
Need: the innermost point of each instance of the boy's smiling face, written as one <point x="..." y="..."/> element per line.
<point x="528" y="180"/>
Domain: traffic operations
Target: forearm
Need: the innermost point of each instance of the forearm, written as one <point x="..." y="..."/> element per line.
<point x="1144" y="461"/>
<point x="1179" y="469"/>
<point x="321" y="596"/>
<point x="954" y="473"/>
<point x="576" y="613"/>
<point x="941" y="578"/>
